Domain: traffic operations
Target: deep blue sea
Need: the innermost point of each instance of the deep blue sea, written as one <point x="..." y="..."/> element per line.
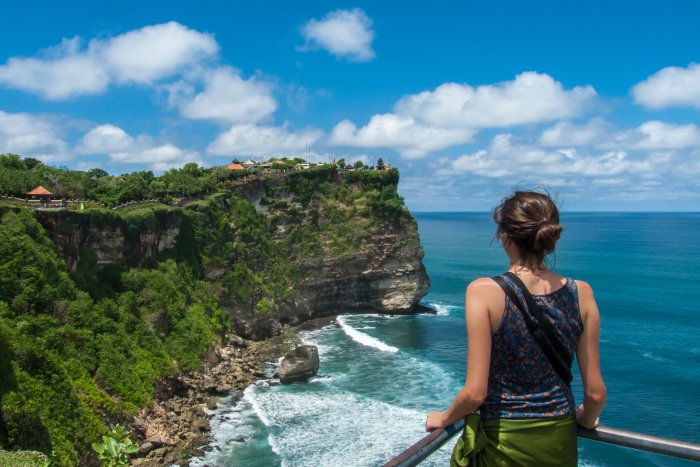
<point x="380" y="375"/>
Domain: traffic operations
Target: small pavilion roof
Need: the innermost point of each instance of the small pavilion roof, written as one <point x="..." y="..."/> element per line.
<point x="235" y="167"/>
<point x="40" y="190"/>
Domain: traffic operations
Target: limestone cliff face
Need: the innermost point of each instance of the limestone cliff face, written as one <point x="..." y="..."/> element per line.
<point x="88" y="239"/>
<point x="389" y="277"/>
<point x="362" y="263"/>
<point x="278" y="250"/>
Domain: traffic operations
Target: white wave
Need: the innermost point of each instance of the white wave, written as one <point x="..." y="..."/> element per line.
<point x="314" y="337"/>
<point x="250" y="399"/>
<point x="442" y="309"/>
<point x="651" y="356"/>
<point x="339" y="428"/>
<point x="273" y="445"/>
<point x="364" y="339"/>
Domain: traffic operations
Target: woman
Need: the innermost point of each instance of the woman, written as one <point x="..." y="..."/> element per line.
<point x="526" y="411"/>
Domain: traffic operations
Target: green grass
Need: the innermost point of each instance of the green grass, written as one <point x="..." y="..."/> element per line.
<point x="141" y="206"/>
<point x="13" y="203"/>
<point x="23" y="459"/>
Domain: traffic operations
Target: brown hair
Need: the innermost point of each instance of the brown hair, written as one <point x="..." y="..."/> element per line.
<point x="531" y="221"/>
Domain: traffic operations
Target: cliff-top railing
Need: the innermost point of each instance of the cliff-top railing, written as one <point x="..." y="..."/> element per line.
<point x="415" y="454"/>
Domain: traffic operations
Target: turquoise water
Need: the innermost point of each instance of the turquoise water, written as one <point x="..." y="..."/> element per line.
<point x="380" y="375"/>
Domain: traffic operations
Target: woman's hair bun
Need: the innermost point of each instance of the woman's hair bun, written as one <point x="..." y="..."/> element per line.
<point x="546" y="237"/>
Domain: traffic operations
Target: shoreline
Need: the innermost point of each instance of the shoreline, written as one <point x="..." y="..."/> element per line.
<point x="176" y="427"/>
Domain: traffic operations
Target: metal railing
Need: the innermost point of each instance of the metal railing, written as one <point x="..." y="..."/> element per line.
<point x="640" y="441"/>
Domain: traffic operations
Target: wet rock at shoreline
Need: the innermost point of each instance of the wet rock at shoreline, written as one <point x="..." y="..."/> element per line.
<point x="299" y="364"/>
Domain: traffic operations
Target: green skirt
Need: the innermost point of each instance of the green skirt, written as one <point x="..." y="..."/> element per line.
<point x="516" y="442"/>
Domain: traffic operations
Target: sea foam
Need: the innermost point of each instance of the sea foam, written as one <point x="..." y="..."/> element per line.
<point x="364" y="339"/>
<point x="442" y="309"/>
<point x="365" y="431"/>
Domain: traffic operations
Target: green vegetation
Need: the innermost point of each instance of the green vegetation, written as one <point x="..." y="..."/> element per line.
<point x="116" y="447"/>
<point x="83" y="341"/>
<point x="19" y="175"/>
<point x="70" y="363"/>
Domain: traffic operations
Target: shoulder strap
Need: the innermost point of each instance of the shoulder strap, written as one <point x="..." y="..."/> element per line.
<point x="542" y="330"/>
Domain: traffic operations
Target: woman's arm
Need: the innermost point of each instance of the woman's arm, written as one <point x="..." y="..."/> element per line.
<point x="588" y="356"/>
<point x="480" y="294"/>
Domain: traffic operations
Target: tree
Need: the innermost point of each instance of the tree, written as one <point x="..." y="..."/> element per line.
<point x="380" y="164"/>
<point x="359" y="164"/>
<point x="97" y="173"/>
<point x="341" y="163"/>
<point x="30" y="162"/>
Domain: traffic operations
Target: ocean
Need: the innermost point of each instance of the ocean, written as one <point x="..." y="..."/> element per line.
<point x="380" y="375"/>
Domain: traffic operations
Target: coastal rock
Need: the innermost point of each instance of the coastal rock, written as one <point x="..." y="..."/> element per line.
<point x="147" y="447"/>
<point x="237" y="341"/>
<point x="212" y="402"/>
<point x="258" y="327"/>
<point x="299" y="364"/>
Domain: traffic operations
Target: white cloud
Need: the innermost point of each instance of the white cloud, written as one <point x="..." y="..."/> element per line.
<point x="670" y="87"/>
<point x="343" y="33"/>
<point x="31" y="136"/>
<point x="153" y="52"/>
<point x="122" y="148"/>
<point x="105" y="139"/>
<point x="530" y="98"/>
<point x="61" y="72"/>
<point x="158" y="158"/>
<point x="226" y="97"/>
<point x="661" y="135"/>
<point x="599" y="134"/>
<point x="140" y="56"/>
<point x="405" y="134"/>
<point x="247" y="139"/>
<point x="452" y="113"/>
<point x="570" y="134"/>
<point x="504" y="158"/>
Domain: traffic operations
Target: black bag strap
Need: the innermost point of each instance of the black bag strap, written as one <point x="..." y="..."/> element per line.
<point x="542" y="330"/>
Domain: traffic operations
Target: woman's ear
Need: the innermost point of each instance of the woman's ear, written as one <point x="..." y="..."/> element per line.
<point x="508" y="245"/>
<point x="505" y="241"/>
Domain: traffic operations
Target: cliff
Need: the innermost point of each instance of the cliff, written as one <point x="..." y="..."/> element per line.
<point x="280" y="249"/>
<point x="107" y="314"/>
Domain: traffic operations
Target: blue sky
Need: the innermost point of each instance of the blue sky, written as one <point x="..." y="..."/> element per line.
<point x="598" y="102"/>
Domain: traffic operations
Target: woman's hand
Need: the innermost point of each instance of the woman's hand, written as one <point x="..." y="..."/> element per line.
<point x="434" y="420"/>
<point x="584" y="421"/>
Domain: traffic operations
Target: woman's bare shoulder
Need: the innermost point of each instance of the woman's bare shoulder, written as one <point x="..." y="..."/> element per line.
<point x="482" y="283"/>
<point x="484" y="287"/>
<point x="584" y="289"/>
<point x="586" y="300"/>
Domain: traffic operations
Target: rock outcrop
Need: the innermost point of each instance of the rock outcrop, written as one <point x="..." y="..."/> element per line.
<point x="299" y="364"/>
<point x="382" y="270"/>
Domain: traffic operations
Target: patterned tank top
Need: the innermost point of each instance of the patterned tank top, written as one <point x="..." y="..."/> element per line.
<point x="522" y="382"/>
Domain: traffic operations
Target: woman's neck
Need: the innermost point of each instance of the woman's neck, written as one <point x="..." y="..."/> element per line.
<point x="518" y="267"/>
